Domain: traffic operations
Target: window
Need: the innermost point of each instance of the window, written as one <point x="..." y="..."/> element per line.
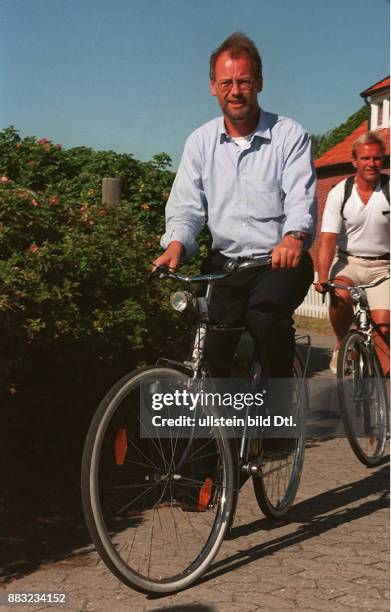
<point x="380" y="114"/>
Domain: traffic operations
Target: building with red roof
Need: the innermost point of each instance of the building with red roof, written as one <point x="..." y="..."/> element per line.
<point x="335" y="164"/>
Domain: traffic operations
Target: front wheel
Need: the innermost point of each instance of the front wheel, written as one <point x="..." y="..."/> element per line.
<point x="156" y="508"/>
<point x="362" y="399"/>
<point x="276" y="485"/>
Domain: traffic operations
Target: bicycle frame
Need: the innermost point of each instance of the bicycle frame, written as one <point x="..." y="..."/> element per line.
<point x="196" y="365"/>
<point x="361" y="369"/>
<point x="137" y="494"/>
<point x="362" y="314"/>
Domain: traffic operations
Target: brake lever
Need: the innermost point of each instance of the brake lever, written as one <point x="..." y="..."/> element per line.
<point x="158" y="272"/>
<point x="324" y="293"/>
<point x="231" y="265"/>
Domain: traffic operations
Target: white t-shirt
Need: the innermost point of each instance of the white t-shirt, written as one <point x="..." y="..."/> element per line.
<point x="242" y="141"/>
<point x="365" y="231"/>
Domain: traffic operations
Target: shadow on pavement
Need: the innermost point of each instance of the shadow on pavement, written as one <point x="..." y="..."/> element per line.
<point x="45" y="537"/>
<point x="319" y="360"/>
<point x="315" y="515"/>
<point x="38" y="540"/>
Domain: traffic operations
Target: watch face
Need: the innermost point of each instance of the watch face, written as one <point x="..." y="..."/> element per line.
<point x="297" y="235"/>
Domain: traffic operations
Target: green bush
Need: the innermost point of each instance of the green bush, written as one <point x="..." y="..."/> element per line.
<point x="71" y="269"/>
<point x="76" y="311"/>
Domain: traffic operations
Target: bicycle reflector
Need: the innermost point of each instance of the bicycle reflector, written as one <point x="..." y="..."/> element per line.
<point x="120" y="446"/>
<point x="205" y="495"/>
<point x="180" y="300"/>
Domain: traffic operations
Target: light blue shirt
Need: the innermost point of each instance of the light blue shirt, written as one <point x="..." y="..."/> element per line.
<point x="251" y="197"/>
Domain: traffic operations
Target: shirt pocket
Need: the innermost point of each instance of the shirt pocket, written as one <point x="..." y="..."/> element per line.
<point x="266" y="202"/>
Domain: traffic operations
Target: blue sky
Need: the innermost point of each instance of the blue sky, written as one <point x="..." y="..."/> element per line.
<point x="132" y="75"/>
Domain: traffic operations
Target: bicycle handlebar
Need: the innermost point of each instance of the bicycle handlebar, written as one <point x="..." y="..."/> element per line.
<point x="231" y="267"/>
<point x="330" y="285"/>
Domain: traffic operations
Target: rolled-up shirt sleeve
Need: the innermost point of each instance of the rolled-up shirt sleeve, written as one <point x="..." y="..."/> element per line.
<point x="186" y="205"/>
<point x="299" y="183"/>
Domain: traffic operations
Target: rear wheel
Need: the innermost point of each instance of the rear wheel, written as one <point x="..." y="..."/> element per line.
<point x="362" y="399"/>
<point x="276" y="484"/>
<point x="157" y="508"/>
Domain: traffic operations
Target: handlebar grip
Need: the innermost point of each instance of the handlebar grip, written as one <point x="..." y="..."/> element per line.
<point x="157" y="272"/>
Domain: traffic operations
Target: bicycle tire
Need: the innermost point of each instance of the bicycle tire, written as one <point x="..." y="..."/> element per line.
<point x="276" y="485"/>
<point x="144" y="527"/>
<point x="363" y="405"/>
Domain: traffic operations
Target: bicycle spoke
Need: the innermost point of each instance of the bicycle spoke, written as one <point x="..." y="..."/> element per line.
<point x="145" y="497"/>
<point x="362" y="398"/>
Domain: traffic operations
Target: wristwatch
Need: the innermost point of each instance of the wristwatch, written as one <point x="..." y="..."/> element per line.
<point x="298" y="235"/>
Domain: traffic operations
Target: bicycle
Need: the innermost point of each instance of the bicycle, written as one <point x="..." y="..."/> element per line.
<point x="361" y="390"/>
<point x="159" y="509"/>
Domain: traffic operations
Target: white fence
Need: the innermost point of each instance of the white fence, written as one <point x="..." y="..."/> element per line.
<point x="312" y="305"/>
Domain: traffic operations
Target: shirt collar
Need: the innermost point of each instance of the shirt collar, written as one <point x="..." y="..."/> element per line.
<point x="262" y="130"/>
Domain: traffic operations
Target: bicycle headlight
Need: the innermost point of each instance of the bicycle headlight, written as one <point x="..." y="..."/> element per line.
<point x="180" y="300"/>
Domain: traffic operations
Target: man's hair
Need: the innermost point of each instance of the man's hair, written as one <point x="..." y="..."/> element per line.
<point x="368" y="138"/>
<point x="237" y="44"/>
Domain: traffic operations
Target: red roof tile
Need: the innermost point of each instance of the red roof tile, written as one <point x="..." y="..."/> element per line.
<point x="342" y="152"/>
<point x="384" y="84"/>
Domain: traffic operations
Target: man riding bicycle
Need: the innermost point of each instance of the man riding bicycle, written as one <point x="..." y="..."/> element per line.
<point x="357" y="220"/>
<point x="249" y="175"/>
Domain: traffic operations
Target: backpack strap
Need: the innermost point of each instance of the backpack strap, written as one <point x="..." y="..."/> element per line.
<point x="385" y="187"/>
<point x="347" y="193"/>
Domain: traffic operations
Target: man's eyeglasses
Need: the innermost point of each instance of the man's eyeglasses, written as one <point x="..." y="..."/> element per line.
<point x="225" y="85"/>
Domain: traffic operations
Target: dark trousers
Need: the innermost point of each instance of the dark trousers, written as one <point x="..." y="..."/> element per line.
<point x="263" y="301"/>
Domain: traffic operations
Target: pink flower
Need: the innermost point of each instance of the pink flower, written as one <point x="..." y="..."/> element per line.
<point x="33" y="248"/>
<point x="34" y="202"/>
<point x="5" y="179"/>
<point x="53" y="200"/>
<point x="58" y="147"/>
<point x="42" y="141"/>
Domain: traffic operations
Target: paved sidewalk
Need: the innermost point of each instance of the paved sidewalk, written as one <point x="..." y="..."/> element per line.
<point x="331" y="552"/>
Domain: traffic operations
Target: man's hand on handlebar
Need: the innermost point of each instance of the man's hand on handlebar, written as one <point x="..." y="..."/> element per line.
<point x="321" y="286"/>
<point x="171" y="257"/>
<point x="287" y="253"/>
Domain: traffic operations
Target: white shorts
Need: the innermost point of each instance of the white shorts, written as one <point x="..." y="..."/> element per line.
<point x="362" y="272"/>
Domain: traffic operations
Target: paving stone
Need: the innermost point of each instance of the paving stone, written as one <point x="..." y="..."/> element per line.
<point x="332" y="556"/>
<point x="361" y="604"/>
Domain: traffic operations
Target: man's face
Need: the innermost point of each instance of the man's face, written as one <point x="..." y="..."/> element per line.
<point x="369" y="162"/>
<point x="239" y="103"/>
